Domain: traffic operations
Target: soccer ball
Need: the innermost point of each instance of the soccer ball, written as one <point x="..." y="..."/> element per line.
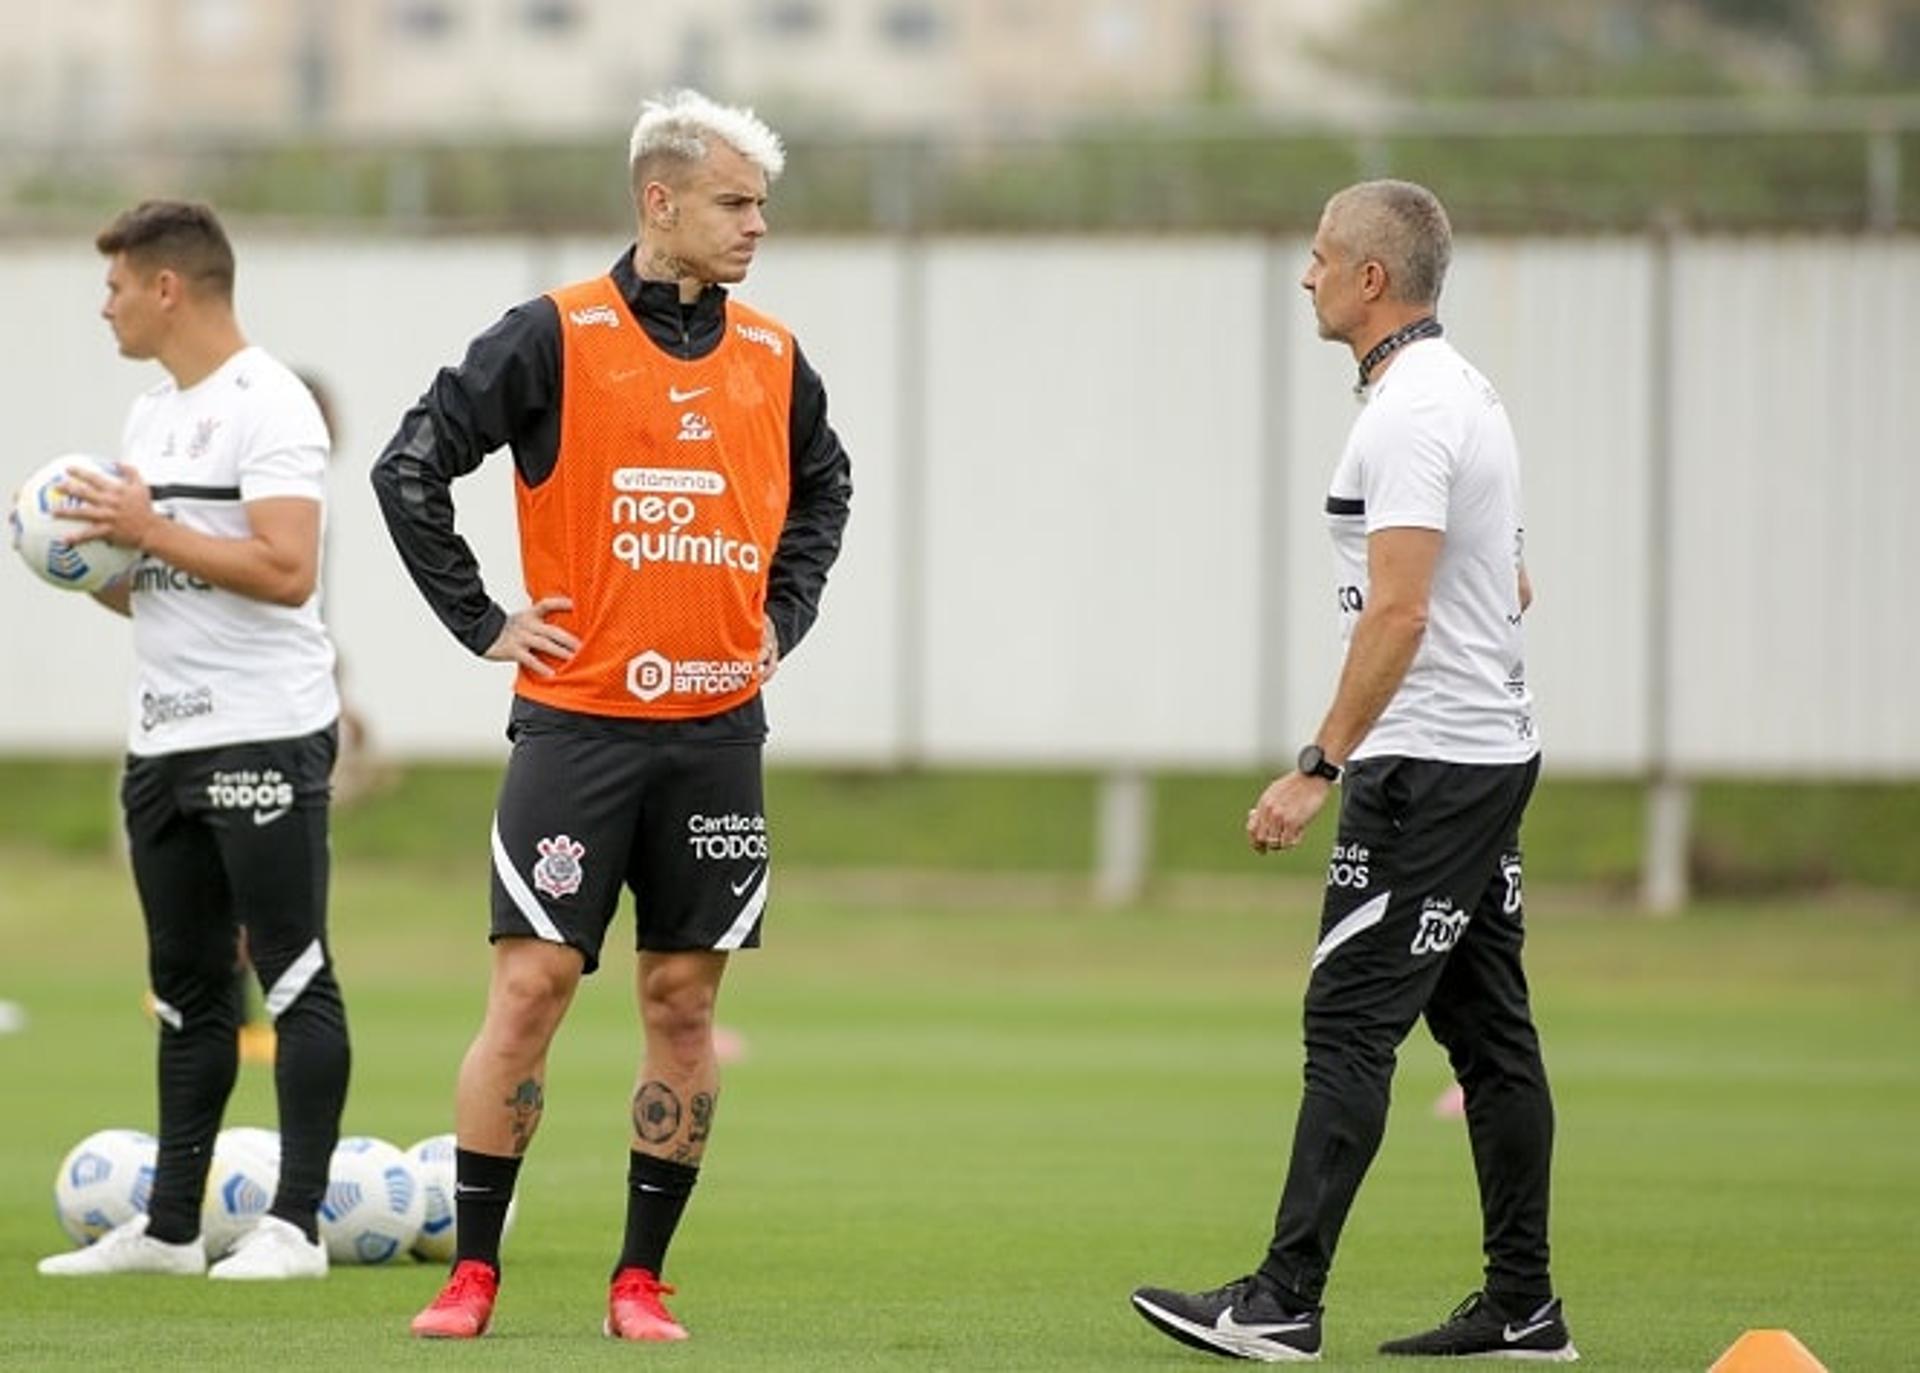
<point x="374" y="1204"/>
<point x="42" y="525"/>
<point x="433" y="1164"/>
<point x="240" y="1185"/>
<point x="104" y="1181"/>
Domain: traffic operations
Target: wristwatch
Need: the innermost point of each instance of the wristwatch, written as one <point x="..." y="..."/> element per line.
<point x="1313" y="762"/>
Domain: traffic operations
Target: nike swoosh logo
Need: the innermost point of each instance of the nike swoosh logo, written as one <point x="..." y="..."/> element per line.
<point x="1227" y="1325"/>
<point x="1510" y="1335"/>
<point x="267" y="817"/>
<point x="677" y="396"/>
<point x="740" y="887"/>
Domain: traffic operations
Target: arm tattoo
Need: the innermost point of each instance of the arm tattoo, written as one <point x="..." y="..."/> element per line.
<point x="656" y="1113"/>
<point x="529" y="1099"/>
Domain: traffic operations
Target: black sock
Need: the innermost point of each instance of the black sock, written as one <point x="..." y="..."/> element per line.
<point x="657" y="1192"/>
<point x="482" y="1187"/>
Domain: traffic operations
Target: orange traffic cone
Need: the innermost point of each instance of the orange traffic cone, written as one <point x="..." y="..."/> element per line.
<point x="1767" y="1351"/>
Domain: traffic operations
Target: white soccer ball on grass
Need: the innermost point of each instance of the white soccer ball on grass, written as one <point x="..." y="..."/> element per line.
<point x="433" y="1164"/>
<point x="240" y="1185"/>
<point x="42" y="525"/>
<point x="374" y="1203"/>
<point x="104" y="1181"/>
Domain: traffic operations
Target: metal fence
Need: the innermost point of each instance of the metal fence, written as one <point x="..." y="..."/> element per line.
<point x="1507" y="167"/>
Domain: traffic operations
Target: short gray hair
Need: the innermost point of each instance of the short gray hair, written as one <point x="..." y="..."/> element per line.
<point x="676" y="127"/>
<point x="1402" y="226"/>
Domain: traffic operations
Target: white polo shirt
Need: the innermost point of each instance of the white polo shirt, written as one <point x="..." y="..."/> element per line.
<point x="211" y="666"/>
<point x="1433" y="450"/>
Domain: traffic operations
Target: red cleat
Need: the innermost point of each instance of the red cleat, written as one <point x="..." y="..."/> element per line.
<point x="464" y="1308"/>
<point x="634" y="1309"/>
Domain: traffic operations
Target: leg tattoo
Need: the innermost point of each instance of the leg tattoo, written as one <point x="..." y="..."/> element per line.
<point x="702" y="1108"/>
<point x="656" y="1112"/>
<point x="529" y="1099"/>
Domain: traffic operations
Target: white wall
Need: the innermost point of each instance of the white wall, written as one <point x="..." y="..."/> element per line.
<point x="1089" y="477"/>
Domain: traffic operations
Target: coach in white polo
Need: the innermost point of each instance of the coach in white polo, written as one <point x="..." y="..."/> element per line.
<point x="1432" y="739"/>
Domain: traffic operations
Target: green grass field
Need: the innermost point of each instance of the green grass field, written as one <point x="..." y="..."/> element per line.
<point x="971" y="1118"/>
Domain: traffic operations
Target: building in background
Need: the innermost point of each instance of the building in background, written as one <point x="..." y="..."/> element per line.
<point x="135" y="71"/>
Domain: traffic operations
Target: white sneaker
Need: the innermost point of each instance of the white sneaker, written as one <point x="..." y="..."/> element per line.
<point x="274" y="1249"/>
<point x="126" y="1249"/>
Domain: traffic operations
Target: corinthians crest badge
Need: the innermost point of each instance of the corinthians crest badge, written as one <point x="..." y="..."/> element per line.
<point x="559" y="871"/>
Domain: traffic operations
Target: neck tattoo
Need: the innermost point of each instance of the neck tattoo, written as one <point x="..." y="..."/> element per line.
<point x="663" y="266"/>
<point x="1425" y="327"/>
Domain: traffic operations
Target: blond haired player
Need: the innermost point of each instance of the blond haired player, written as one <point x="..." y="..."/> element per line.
<point x="681" y="498"/>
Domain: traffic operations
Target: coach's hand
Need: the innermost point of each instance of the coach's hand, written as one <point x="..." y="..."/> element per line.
<point x="527" y="638"/>
<point x="1280" y="817"/>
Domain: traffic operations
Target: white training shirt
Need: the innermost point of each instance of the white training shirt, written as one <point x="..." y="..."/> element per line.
<point x="211" y="666"/>
<point x="1433" y="450"/>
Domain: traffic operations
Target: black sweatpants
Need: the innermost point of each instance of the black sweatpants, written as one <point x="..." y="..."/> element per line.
<point x="1422" y="916"/>
<point x="223" y="838"/>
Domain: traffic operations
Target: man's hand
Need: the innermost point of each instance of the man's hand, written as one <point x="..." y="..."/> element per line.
<point x="527" y="638"/>
<point x="769" y="652"/>
<point x="117" y="510"/>
<point x="1280" y="817"/>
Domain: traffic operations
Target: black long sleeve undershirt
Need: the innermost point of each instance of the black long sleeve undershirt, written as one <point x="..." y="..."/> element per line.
<point x="506" y="393"/>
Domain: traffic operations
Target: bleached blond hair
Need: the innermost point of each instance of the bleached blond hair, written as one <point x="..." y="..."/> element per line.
<point x="676" y="128"/>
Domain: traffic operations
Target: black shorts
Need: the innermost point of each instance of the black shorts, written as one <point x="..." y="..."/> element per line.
<point x="680" y="824"/>
<point x="233" y="836"/>
<point x="1426" y="863"/>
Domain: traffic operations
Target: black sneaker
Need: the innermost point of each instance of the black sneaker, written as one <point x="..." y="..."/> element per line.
<point x="1477" y="1330"/>
<point x="1242" y="1320"/>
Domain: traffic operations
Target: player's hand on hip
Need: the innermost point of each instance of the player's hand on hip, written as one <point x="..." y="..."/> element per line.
<point x="1279" y="819"/>
<point x="529" y="640"/>
<point x="769" y="651"/>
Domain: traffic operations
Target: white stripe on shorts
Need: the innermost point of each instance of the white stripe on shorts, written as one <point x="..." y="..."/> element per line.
<point x="287" y="987"/>
<point x="1352" y="923"/>
<point x="523" y="897"/>
<point x="737" y="933"/>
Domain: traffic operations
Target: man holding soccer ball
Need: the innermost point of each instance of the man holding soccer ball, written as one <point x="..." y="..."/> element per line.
<point x="221" y="486"/>
<point x="681" y="497"/>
